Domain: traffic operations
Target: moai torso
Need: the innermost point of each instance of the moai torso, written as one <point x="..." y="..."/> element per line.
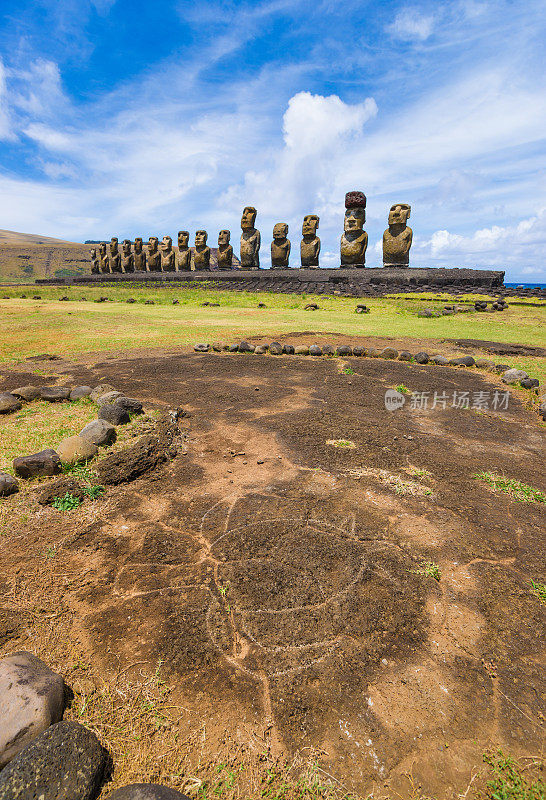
<point x="115" y="257"/>
<point x="104" y="259"/>
<point x="280" y="247"/>
<point x="139" y="256"/>
<point x="154" y="256"/>
<point x="310" y="243"/>
<point x="225" y="251"/>
<point x="250" y="240"/>
<point x="184" y="252"/>
<point x="201" y="254"/>
<point x="167" y="255"/>
<point x="95" y="263"/>
<point x="354" y="240"/>
<point x="398" y="237"/>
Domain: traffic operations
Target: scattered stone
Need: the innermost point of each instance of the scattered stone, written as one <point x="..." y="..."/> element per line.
<point x="233" y="348"/>
<point x="421" y="358"/>
<point x="246" y="347"/>
<point x="480" y="305"/>
<point x="426" y="312"/>
<point x="447" y="312"/>
<point x="66" y="762"/>
<point x="288" y="349"/>
<point x="360" y="309"/>
<point x="149" y="303"/>
<point x="27" y="393"/>
<point x="373" y="352"/>
<point x="206" y="303"/>
<point x="301" y="350"/>
<point x="46" y="462"/>
<point x="9" y="403"/>
<point x="530" y="383"/>
<point x="129" y="404"/>
<point x="218" y="347"/>
<point x="328" y="350"/>
<point x="440" y="361"/>
<point x="260" y="350"/>
<point x="262" y="305"/>
<point x="108" y="397"/>
<point x="315" y="350"/>
<point x="79" y="392"/>
<point x="31" y="699"/>
<point x="114" y="414"/>
<point x="64" y="298"/>
<point x="464" y="361"/>
<point x="99" y="432"/>
<point x="59" y="488"/>
<point x="36" y="297"/>
<point x="484" y="363"/>
<point x="99" y="390"/>
<point x="74" y="449"/>
<point x="130" y="300"/>
<point x="276" y="349"/>
<point x="54" y="394"/>
<point x="146" y="454"/>
<point x="8" y="484"/>
<point x="389" y="352"/>
<point x="147" y="791"/>
<point x="514" y="376"/>
<point x="202" y="348"/>
<point x="405" y="355"/>
<point x="344" y="350"/>
<point x="311" y="307"/>
<point x="176" y="302"/>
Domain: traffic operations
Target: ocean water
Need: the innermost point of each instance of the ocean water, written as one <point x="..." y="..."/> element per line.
<point x="527" y="285"/>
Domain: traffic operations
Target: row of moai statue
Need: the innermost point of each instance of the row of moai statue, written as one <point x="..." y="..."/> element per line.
<point x="397" y="241"/>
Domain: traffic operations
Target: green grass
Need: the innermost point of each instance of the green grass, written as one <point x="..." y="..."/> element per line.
<point x="516" y="489"/>
<point x="539" y="590"/>
<point x="402" y="389"/>
<point x="67" y="503"/>
<point x="512" y="780"/>
<point x="430" y="569"/>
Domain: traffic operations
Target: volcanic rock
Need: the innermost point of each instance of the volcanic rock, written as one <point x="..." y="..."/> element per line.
<point x="46" y="462"/>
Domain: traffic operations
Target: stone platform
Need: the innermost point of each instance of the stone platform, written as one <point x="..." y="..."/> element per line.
<point x="355" y="282"/>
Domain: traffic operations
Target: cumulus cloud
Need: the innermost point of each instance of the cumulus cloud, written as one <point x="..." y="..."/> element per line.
<point x="411" y="25"/>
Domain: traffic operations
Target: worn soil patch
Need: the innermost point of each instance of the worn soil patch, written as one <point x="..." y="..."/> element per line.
<point x="278" y="579"/>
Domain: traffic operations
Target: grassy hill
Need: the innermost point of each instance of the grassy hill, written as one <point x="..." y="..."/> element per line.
<point x="26" y="256"/>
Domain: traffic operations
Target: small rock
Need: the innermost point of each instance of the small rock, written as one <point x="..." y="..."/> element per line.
<point x="311" y="307"/>
<point x="149" y="303"/>
<point x="46" y="462"/>
<point x="9" y="403"/>
<point x="27" y="393"/>
<point x="484" y="363"/>
<point x="218" y="347"/>
<point x="421" y="358"/>
<point x="260" y="350"/>
<point x="514" y="376"/>
<point x="54" y="394"/>
<point x="389" y="352"/>
<point x="315" y="350"/>
<point x="262" y="305"/>
<point x="114" y="414"/>
<point x="288" y="349"/>
<point x="373" y="352"/>
<point x="404" y="355"/>
<point x="464" y="361"/>
<point x="344" y="350"/>
<point x="59" y="488"/>
<point x="246" y="347"/>
<point x="108" y="397"/>
<point x="74" y="449"/>
<point x="301" y="350"/>
<point x="66" y="762"/>
<point x="99" y="432"/>
<point x="129" y="404"/>
<point x="79" y="392"/>
<point x="99" y="390"/>
<point x="439" y="360"/>
<point x="202" y="348"/>
<point x="176" y="302"/>
<point x="8" y="484"/>
<point x="233" y="348"/>
<point x="359" y="351"/>
<point x="31" y="699"/>
<point x="328" y="350"/>
<point x="146" y="791"/>
<point x="276" y="349"/>
<point x="530" y="383"/>
<point x="426" y="312"/>
<point x="360" y="309"/>
<point x="130" y="300"/>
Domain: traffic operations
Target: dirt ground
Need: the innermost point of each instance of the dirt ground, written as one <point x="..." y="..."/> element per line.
<point x="277" y="576"/>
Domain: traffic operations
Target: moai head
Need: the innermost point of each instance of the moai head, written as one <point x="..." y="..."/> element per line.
<point x="114" y="245"/>
<point x="280" y="231"/>
<point x="201" y="238"/>
<point x="93" y="253"/>
<point x="126" y="247"/>
<point x="310" y="225"/>
<point x="153" y="243"/>
<point x="248" y="219"/>
<point x="138" y="244"/>
<point x="355" y="212"/>
<point x="223" y="238"/>
<point x="183" y="239"/>
<point x="102" y="249"/>
<point x="399" y="214"/>
<point x="167" y="243"/>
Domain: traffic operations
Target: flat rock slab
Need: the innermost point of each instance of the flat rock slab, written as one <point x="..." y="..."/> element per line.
<point x="66" y="762"/>
<point x="8" y="484"/>
<point x="79" y="392"/>
<point x="46" y="462"/>
<point x="147" y="791"/>
<point x="54" y="394"/>
<point x="27" y="393"/>
<point x="9" y="403"/>
<point x="31" y="699"/>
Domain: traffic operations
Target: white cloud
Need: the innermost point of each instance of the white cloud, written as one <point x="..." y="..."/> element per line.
<point x="312" y="123"/>
<point x="6" y="132"/>
<point x="411" y="25"/>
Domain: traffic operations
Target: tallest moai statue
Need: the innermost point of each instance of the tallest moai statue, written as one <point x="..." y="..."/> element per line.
<point x="354" y="240"/>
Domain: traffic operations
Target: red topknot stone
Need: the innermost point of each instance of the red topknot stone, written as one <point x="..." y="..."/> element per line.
<point x="355" y="200"/>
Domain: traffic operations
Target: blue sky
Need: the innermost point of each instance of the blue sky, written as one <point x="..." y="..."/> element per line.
<point x="139" y="117"/>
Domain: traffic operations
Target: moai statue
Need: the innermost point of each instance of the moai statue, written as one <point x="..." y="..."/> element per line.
<point x="184" y="252"/>
<point x="201" y="254"/>
<point x="167" y="255"/>
<point x="115" y="256"/>
<point x="310" y="244"/>
<point x="127" y="258"/>
<point x="95" y="263"/>
<point x="154" y="256"/>
<point x="354" y="240"/>
<point x="280" y="246"/>
<point x="250" y="240"/>
<point x="104" y="259"/>
<point x="225" y="251"/>
<point x="398" y="237"/>
<point x="139" y="255"/>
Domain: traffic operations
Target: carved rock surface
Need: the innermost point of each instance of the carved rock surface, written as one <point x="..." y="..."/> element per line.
<point x="9" y="403"/>
<point x="8" y="484"/>
<point x="65" y="762"/>
<point x="31" y="699"/>
<point x="46" y="462"/>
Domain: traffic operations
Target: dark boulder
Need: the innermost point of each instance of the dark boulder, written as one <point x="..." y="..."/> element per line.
<point x="145" y="455"/>
<point x="201" y="348"/>
<point x="288" y="349"/>
<point x="129" y="404"/>
<point x="404" y="355"/>
<point x="246" y="347"/>
<point x="315" y="350"/>
<point x="27" y="393"/>
<point x="8" y="484"/>
<point x="46" y="462"/>
<point x="79" y="392"/>
<point x="276" y="349"/>
<point x="9" y="403"/>
<point x="530" y="383"/>
<point x="54" y="394"/>
<point x="114" y="414"/>
<point x="328" y="350"/>
<point x="344" y="350"/>
<point x="421" y="358"/>
<point x="389" y="352"/>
